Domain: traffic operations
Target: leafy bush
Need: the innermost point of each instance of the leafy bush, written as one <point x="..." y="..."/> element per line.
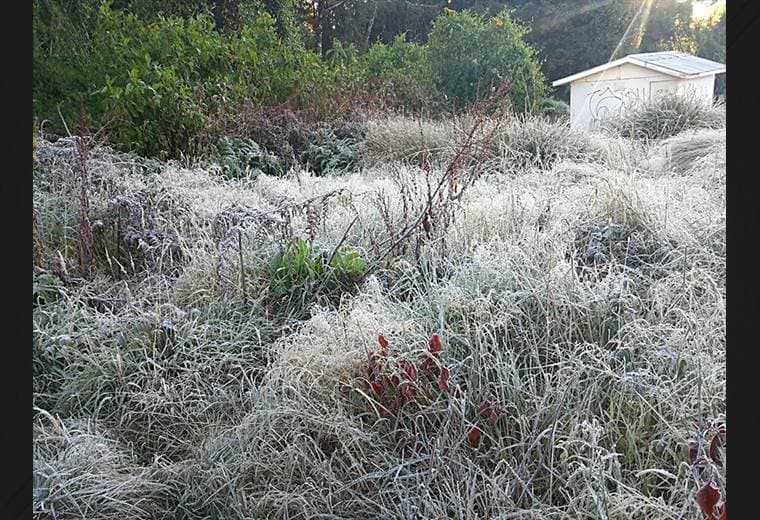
<point x="243" y="157"/>
<point x="154" y="85"/>
<point x="554" y="108"/>
<point x="470" y="55"/>
<point x="330" y="153"/>
<point x="401" y="74"/>
<point x="300" y="273"/>
<point x="666" y="116"/>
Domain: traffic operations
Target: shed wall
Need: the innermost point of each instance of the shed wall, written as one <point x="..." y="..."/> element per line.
<point x="607" y="93"/>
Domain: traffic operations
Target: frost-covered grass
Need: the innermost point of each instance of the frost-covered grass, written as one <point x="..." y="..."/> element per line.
<point x="585" y="295"/>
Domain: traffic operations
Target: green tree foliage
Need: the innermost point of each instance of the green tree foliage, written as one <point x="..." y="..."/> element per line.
<point x="471" y="54"/>
<point x="153" y="83"/>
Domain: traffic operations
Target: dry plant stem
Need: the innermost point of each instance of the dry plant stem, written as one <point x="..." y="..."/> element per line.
<point x="37" y="245"/>
<point x="242" y="267"/>
<point x="85" y="240"/>
<point x="449" y="175"/>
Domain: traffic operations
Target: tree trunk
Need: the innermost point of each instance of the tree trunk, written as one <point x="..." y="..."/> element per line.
<point x="369" y="28"/>
<point x="320" y="20"/>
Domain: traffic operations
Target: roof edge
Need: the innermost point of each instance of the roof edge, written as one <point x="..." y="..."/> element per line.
<point x="593" y="70"/>
<point x="639" y="63"/>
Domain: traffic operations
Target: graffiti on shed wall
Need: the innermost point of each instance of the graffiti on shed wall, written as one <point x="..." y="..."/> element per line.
<point x="606" y="102"/>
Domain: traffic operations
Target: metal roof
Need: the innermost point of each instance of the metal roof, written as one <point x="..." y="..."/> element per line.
<point x="673" y="63"/>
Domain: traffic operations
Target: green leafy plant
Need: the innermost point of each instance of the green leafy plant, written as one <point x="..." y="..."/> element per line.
<point x="330" y="153"/>
<point x="46" y="288"/>
<point x="301" y="273"/>
<point x="243" y="157"/>
<point x="470" y="55"/>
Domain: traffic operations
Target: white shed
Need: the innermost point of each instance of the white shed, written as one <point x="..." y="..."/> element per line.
<point x="608" y="89"/>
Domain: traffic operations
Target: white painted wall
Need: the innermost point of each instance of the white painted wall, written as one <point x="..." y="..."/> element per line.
<point x="608" y="93"/>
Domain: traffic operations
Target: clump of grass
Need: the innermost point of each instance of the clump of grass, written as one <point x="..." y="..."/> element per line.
<point x="398" y="138"/>
<point x="79" y="470"/>
<point x="537" y="142"/>
<point x="682" y="152"/>
<point x="665" y="117"/>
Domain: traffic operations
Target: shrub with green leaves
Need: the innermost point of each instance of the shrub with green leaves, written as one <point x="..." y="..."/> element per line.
<point x="470" y="55"/>
<point x="244" y="157"/>
<point x="330" y="153"/>
<point x="554" y="108"/>
<point x="401" y="73"/>
<point x="153" y="84"/>
<point x="301" y="273"/>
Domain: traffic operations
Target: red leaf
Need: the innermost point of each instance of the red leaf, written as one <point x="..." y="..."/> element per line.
<point x="435" y="344"/>
<point x="485" y="407"/>
<point x="427" y="366"/>
<point x="718" y="441"/>
<point x="474" y="436"/>
<point x="706" y="498"/>
<point x="383" y="342"/>
<point x="493" y="417"/>
<point x="408" y="391"/>
<point x="443" y="379"/>
<point x="378" y="387"/>
<point x="409" y="369"/>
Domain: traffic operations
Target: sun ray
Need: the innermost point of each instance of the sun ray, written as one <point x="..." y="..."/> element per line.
<point x="646" y="5"/>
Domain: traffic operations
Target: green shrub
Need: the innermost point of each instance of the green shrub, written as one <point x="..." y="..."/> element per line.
<point x="300" y="273"/>
<point x="154" y="84"/>
<point x="330" y="153"/>
<point x="553" y="108"/>
<point x="244" y="157"/>
<point x="470" y="55"/>
<point x="665" y="117"/>
<point x="401" y="74"/>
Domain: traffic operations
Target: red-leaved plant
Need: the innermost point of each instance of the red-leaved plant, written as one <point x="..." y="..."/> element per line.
<point x="709" y="497"/>
<point x="396" y="381"/>
<point x="490" y="409"/>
